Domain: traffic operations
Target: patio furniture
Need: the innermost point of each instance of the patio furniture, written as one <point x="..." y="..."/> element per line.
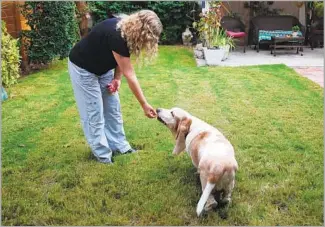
<point x="235" y="29"/>
<point x="284" y="42"/>
<point x="281" y="24"/>
<point x="316" y="34"/>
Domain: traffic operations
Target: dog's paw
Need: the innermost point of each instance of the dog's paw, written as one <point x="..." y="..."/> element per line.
<point x="210" y="205"/>
<point x="223" y="214"/>
<point x="226" y="201"/>
<point x="203" y="214"/>
<point x="176" y="152"/>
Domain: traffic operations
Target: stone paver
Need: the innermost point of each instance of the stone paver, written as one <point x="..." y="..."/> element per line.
<point x="310" y="65"/>
<point x="200" y="62"/>
<point x="251" y="57"/>
<point x="315" y="74"/>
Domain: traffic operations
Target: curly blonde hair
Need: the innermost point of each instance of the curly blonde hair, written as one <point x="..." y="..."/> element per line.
<point x="141" y="30"/>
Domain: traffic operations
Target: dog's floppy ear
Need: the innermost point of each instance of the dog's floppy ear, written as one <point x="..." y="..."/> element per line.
<point x="183" y="128"/>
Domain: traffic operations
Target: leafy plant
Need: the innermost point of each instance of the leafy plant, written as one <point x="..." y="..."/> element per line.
<point x="10" y="57"/>
<point x="319" y="8"/>
<point x="175" y="17"/>
<point x="235" y="15"/>
<point x="53" y="30"/>
<point x="102" y="10"/>
<point x="295" y="28"/>
<point x="209" y="27"/>
<point x="226" y="40"/>
<point x="261" y="8"/>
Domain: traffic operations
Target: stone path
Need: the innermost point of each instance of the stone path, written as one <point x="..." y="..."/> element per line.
<point x="310" y="65"/>
<point x="313" y="73"/>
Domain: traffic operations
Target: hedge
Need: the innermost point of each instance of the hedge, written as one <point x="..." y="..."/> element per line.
<point x="174" y="15"/>
<point x="10" y="57"/>
<point x="54" y="30"/>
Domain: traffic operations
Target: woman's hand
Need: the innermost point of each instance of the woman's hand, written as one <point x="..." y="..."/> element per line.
<point x="114" y="86"/>
<point x="126" y="68"/>
<point x="149" y="111"/>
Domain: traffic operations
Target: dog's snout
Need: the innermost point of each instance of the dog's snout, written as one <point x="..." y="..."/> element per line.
<point x="158" y="110"/>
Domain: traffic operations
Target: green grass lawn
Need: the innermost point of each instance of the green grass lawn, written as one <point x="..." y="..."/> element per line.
<point x="272" y="116"/>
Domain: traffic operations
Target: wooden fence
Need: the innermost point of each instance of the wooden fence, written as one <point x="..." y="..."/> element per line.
<point x="15" y="22"/>
<point x="10" y="13"/>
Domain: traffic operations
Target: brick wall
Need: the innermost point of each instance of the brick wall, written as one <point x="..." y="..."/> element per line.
<point x="288" y="7"/>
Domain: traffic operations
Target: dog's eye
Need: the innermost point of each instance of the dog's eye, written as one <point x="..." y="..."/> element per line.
<point x="172" y="113"/>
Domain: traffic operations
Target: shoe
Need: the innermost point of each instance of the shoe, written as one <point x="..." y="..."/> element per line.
<point x="105" y="160"/>
<point x="131" y="150"/>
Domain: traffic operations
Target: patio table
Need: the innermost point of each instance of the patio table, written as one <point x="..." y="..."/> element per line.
<point x="285" y="42"/>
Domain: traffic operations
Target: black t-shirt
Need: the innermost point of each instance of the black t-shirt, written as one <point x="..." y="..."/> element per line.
<point x="94" y="52"/>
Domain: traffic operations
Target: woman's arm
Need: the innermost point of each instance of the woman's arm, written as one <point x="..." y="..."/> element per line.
<point x="125" y="67"/>
<point x="117" y="73"/>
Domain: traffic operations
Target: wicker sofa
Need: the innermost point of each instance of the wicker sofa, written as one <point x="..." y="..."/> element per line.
<point x="271" y="23"/>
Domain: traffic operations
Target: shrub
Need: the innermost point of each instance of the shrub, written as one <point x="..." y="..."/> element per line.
<point x="262" y="8"/>
<point x="10" y="57"/>
<point x="103" y="10"/>
<point x="53" y="32"/>
<point x="319" y="8"/>
<point x="175" y="16"/>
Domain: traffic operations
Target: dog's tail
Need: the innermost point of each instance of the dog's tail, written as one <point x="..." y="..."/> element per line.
<point x="205" y="195"/>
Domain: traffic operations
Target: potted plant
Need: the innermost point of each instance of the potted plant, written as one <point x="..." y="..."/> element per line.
<point x="227" y="43"/>
<point x="215" y="41"/>
<point x="295" y="30"/>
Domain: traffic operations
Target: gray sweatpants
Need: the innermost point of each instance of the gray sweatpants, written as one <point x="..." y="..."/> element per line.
<point x="100" y="112"/>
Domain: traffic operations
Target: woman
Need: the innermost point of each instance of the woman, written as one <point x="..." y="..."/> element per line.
<point x="96" y="65"/>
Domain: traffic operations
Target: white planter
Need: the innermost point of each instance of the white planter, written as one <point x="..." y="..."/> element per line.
<point x="213" y="56"/>
<point x="227" y="49"/>
<point x="294" y="34"/>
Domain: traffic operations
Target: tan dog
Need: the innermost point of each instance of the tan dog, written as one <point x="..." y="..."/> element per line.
<point x="211" y="153"/>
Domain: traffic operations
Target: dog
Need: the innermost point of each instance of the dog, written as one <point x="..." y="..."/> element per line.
<point x="211" y="153"/>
